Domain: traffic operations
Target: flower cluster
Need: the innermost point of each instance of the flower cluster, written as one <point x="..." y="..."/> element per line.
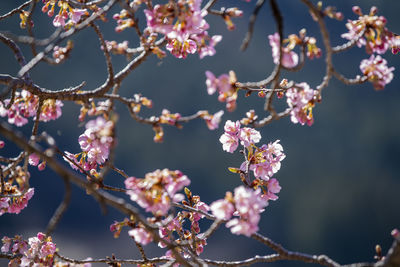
<point x="184" y="26"/>
<point x="156" y="191"/>
<point x="38" y="251"/>
<point x="124" y="19"/>
<point x="301" y="100"/>
<point x="290" y="59"/>
<point x="62" y="53"/>
<point x="25" y="105"/>
<point x="15" y="197"/>
<point x="95" y="143"/>
<point x="66" y="12"/>
<point x="264" y="161"/>
<point x="117" y="48"/>
<point x="375" y="36"/>
<point x="224" y="84"/>
<point x="233" y="133"/>
<point x="17" y="203"/>
<point x="377" y="71"/>
<point x="246" y="205"/>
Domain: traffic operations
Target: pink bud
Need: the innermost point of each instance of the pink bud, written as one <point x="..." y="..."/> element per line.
<point x="396" y="233"/>
<point x="41" y="166"/>
<point x="339" y="15"/>
<point x="357" y="10"/>
<point x="373" y="11"/>
<point x="45" y="8"/>
<point x="1" y="144"/>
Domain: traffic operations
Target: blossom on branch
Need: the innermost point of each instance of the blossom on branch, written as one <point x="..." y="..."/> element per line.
<point x="184" y="26"/>
<point x="245" y="205"/>
<point x="301" y="99"/>
<point x="377" y="71"/>
<point x="375" y="36"/>
<point x="157" y="190"/>
<point x="25" y="105"/>
<point x="289" y="58"/>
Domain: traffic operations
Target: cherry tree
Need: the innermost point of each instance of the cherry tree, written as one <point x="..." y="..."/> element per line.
<point x="160" y="207"/>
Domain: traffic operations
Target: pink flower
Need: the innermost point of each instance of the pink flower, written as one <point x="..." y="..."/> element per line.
<point x="222" y="83"/>
<point x="51" y="110"/>
<point x="273" y="188"/>
<point x="76" y="14"/>
<point x="249" y="204"/>
<point x="6" y="244"/>
<point x="213" y="122"/>
<point x="229" y="142"/>
<point x="249" y="136"/>
<point x="59" y="20"/>
<point x="222" y="209"/>
<point x="200" y="205"/>
<point x="21" y="202"/>
<point x="155" y="192"/>
<point x="140" y="236"/>
<point x="33" y="159"/>
<point x="301" y="100"/>
<point x="181" y="49"/>
<point x="231" y="127"/>
<point x="207" y="50"/>
<point x="261" y="170"/>
<point x="289" y="58"/>
<point x="377" y="71"/>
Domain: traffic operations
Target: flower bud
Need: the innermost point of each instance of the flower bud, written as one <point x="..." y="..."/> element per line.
<point x="42" y="166"/>
<point x="357" y="10"/>
<point x="234" y="12"/>
<point x="373" y="11"/>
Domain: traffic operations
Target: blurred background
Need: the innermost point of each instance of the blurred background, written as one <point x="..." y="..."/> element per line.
<point x="341" y="177"/>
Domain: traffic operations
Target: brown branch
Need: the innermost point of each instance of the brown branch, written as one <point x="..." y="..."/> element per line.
<point x="17" y="53"/>
<point x="290" y="255"/>
<point x="55" y="219"/>
<point x="252" y="21"/>
<point x="357" y="80"/>
<point x="154" y="260"/>
<point x="105" y="51"/>
<point x="327" y="44"/>
<point x="16" y="10"/>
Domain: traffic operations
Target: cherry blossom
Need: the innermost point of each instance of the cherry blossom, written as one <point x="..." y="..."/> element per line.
<point x="301" y="100"/>
<point x="95" y="143"/>
<point x="222" y="209"/>
<point x="248" y="204"/>
<point x="377" y="71"/>
<point x="212" y="121"/>
<point x="25" y="105"/>
<point x="140" y="235"/>
<point x="156" y="191"/>
<point x="289" y="58"/>
<point x="376" y="37"/>
<point x="185" y="29"/>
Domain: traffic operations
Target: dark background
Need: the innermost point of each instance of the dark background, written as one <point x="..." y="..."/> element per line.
<point x="340" y="179"/>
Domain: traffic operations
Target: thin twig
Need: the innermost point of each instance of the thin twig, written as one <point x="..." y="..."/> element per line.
<point x="252" y="21"/>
